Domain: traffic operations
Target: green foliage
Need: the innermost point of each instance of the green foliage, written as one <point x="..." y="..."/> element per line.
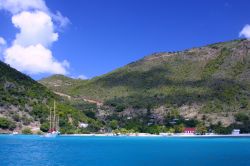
<point x="7" y="124"/>
<point x="223" y="130"/>
<point x="113" y="124"/>
<point x="16" y="117"/>
<point x="179" y="128"/>
<point x="27" y="130"/>
<point x="44" y="127"/>
<point x="177" y="79"/>
<point x="123" y="131"/>
<point x="243" y="122"/>
<point x="201" y="129"/>
<point x="90" y="114"/>
<point x="238" y="68"/>
<point x="219" y="129"/>
<point x="137" y="125"/>
<point x="190" y="123"/>
<point x="39" y="132"/>
<point x="212" y="77"/>
<point x="26" y="120"/>
<point x="155" y="129"/>
<point x="244" y="127"/>
<point x="213" y="65"/>
<point x="40" y="113"/>
<point x="120" y="108"/>
<point x="241" y="117"/>
<point x="22" y="92"/>
<point x="35" y="99"/>
<point x="94" y="126"/>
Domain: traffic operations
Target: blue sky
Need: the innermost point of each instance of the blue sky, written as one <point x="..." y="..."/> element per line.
<point x="101" y="36"/>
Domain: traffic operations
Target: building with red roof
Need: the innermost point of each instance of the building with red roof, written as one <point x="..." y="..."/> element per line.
<point x="189" y="130"/>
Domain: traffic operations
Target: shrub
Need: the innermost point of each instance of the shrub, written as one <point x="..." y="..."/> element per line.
<point x="241" y="117"/>
<point x="201" y="129"/>
<point x="39" y="132"/>
<point x="44" y="127"/>
<point x="179" y="128"/>
<point x="113" y="124"/>
<point x="27" y="130"/>
<point x="223" y="130"/>
<point x="7" y="124"/>
<point x="90" y="114"/>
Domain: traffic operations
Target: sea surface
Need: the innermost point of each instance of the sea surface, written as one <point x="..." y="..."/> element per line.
<point x="20" y="150"/>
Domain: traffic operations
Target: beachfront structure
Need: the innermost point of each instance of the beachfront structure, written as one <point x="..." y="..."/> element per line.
<point x="189" y="130"/>
<point x="236" y="132"/>
<point x="83" y="125"/>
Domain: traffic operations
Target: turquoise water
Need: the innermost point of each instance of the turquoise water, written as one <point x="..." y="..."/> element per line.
<point x="119" y="151"/>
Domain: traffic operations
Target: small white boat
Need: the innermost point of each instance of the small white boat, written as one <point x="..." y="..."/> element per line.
<point x="52" y="134"/>
<point x="14" y="133"/>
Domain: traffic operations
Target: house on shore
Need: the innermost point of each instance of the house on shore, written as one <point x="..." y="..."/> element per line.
<point x="189" y="130"/>
<point x="236" y="132"/>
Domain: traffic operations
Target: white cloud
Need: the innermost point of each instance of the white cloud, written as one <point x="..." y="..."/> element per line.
<point x="35" y="28"/>
<point x="30" y="51"/>
<point x="245" y="32"/>
<point x="16" y="6"/>
<point x="2" y="41"/>
<point x="60" y="19"/>
<point x="34" y="59"/>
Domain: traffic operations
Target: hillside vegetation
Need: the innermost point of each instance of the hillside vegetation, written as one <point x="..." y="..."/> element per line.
<point x="24" y="103"/>
<point x="209" y="84"/>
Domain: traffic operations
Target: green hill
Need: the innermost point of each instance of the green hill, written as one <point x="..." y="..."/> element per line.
<point x="209" y="84"/>
<point x="25" y="103"/>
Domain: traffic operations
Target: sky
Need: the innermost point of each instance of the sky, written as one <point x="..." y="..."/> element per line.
<point x="88" y="38"/>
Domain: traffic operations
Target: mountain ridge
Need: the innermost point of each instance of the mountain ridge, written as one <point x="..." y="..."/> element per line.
<point x="211" y="80"/>
<point x="207" y="86"/>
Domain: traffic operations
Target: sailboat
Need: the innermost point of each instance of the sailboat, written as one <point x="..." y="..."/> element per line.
<point x="54" y="124"/>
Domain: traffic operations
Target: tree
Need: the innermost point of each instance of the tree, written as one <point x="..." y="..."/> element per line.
<point x="113" y="124"/>
<point x="171" y="130"/>
<point x="90" y="114"/>
<point x="7" y="124"/>
<point x="44" y="127"/>
<point x="241" y="117"/>
<point x="120" y="108"/>
<point x="191" y="123"/>
<point x="223" y="130"/>
<point x="154" y="129"/>
<point x="179" y="128"/>
<point x="219" y="129"/>
<point x="27" y="130"/>
<point x="201" y="129"/>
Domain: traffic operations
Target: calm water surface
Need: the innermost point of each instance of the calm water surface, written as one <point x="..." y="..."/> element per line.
<point x="118" y="151"/>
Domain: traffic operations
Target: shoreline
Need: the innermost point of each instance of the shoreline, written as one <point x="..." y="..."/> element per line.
<point x="155" y="135"/>
<point x="163" y="135"/>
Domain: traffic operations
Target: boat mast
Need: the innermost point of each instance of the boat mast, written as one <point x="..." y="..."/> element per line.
<point x="50" y="119"/>
<point x="54" y="127"/>
<point x="57" y="123"/>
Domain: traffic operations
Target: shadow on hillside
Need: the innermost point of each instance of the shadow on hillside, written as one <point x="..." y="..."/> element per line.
<point x="153" y="78"/>
<point x="157" y="77"/>
<point x="222" y="90"/>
